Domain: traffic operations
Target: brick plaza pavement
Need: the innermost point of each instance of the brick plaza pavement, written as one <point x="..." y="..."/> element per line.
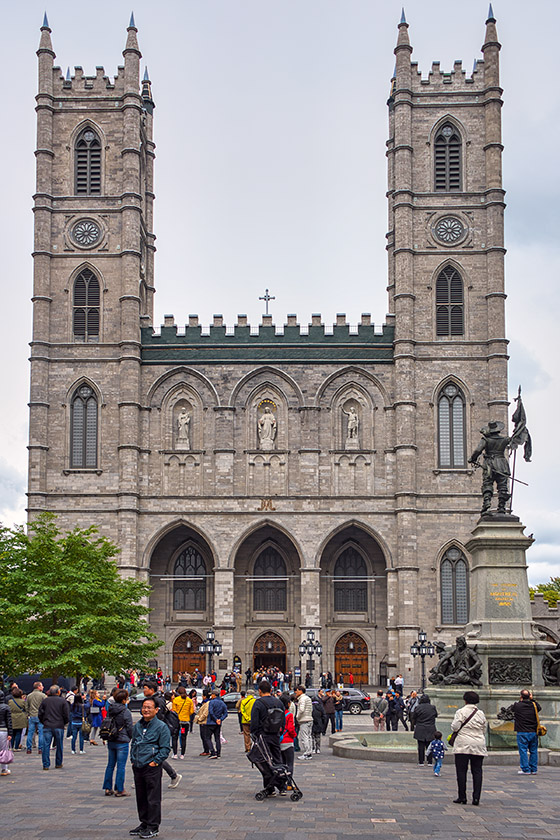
<point x="343" y="800"/>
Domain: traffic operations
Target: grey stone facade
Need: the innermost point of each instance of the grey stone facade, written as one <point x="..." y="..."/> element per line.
<point x="315" y="492"/>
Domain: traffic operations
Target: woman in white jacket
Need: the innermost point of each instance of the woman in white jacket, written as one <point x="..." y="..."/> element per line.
<point x="470" y="746"/>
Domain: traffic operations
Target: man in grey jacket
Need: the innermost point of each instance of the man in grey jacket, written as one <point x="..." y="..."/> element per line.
<point x="32" y="703"/>
<point x="149" y="747"/>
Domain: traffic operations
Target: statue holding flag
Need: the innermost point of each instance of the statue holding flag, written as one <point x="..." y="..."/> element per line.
<point x="495" y="448"/>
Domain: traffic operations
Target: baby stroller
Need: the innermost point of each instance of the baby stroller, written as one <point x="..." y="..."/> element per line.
<point x="259" y="755"/>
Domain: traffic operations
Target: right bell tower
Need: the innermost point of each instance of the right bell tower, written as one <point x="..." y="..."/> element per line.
<point x="446" y="295"/>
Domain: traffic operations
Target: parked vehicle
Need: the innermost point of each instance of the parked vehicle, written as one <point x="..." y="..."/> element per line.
<point x="355" y="701"/>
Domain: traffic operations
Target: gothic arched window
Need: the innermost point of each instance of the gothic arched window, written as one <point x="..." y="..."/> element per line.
<point x="350" y="592"/>
<point x="87" y="152"/>
<point x="447" y="159"/>
<point x="454" y="588"/>
<point x="449" y="302"/>
<point x="189" y="590"/>
<point x="86" y="307"/>
<point x="270" y="584"/>
<point x="83" y="428"/>
<point x="451" y="427"/>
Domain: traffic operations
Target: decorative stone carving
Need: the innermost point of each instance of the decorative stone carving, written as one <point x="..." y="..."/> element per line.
<point x="183" y="423"/>
<point x="459" y="666"/>
<point x="551" y="666"/>
<point x="502" y="671"/>
<point x="266" y="425"/>
<point x="352" y="440"/>
<point x="86" y="233"/>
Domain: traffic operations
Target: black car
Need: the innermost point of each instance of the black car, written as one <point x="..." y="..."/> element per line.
<point x="355" y="701"/>
<point x="231" y="698"/>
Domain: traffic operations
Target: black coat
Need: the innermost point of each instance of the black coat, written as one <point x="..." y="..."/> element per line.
<point x="424" y="721"/>
<point x="6" y="717"/>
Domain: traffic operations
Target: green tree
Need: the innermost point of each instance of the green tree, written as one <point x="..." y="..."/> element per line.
<point x="550" y="590"/>
<point x="65" y="608"/>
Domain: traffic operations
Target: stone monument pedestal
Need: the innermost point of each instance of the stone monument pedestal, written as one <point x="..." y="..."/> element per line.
<point x="501" y="625"/>
<point x="502" y="632"/>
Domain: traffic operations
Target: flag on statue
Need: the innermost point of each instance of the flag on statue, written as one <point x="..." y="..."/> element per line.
<point x="521" y="434"/>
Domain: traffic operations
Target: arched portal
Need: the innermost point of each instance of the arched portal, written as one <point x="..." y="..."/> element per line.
<point x="351" y="657"/>
<point x="186" y="656"/>
<point x="268" y="651"/>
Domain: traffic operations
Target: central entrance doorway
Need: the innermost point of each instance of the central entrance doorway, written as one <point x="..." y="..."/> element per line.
<point x="186" y="656"/>
<point x="351" y="657"/>
<point x="269" y="651"/>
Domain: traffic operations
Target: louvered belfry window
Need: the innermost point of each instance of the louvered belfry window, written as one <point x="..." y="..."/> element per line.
<point x="448" y="159"/>
<point x="83" y="429"/>
<point x="451" y="428"/>
<point x="270" y="585"/>
<point x="88" y="163"/>
<point x="454" y="588"/>
<point x="449" y="303"/>
<point x="86" y="307"/>
<point x="350" y="582"/>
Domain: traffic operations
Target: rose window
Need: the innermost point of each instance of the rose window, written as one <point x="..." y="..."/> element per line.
<point x="86" y="233"/>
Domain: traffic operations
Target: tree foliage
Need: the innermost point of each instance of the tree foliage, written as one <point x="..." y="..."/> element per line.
<point x="65" y="608"/>
<point x="550" y="591"/>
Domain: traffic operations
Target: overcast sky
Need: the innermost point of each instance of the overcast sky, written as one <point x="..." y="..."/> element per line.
<point x="270" y="126"/>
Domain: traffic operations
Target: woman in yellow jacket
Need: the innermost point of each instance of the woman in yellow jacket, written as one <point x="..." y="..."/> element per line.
<point x="183" y="705"/>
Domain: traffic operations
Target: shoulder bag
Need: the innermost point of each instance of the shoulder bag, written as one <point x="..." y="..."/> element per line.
<point x="452" y="738"/>
<point x="86" y="725"/>
<point x="541" y="730"/>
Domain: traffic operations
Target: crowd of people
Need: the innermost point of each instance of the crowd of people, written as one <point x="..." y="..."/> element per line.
<point x="43" y="721"/>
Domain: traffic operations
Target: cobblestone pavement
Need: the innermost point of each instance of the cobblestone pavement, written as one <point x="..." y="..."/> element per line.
<point x="343" y="800"/>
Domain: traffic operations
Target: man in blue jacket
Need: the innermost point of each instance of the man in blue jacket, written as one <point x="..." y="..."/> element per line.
<point x="217" y="713"/>
<point x="149" y="747"/>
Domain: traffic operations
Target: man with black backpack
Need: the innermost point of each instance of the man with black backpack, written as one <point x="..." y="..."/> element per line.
<point x="169" y="718"/>
<point x="267" y="721"/>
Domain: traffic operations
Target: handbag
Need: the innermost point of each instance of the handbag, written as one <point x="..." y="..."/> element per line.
<point x="541" y="729"/>
<point x="6" y="756"/>
<point x="86" y="726"/>
<point x="452" y="738"/>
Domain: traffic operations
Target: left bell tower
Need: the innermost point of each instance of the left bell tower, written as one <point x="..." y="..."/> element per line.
<point x="93" y="286"/>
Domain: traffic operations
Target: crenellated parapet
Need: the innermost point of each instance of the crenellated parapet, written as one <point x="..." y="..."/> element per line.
<point x="315" y="341"/>
<point x="78" y="83"/>
<point x="448" y="81"/>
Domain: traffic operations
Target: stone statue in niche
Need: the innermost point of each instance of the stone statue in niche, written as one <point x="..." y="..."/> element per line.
<point x="267" y="428"/>
<point x="352" y="427"/>
<point x="184" y="429"/>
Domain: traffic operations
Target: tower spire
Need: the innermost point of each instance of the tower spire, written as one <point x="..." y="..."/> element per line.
<point x="147" y="100"/>
<point x="45" y="44"/>
<point x="403" y="31"/>
<point x="491" y="14"/>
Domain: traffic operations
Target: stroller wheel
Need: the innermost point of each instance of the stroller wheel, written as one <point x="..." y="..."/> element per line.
<point x="296" y="796"/>
<point x="260" y="795"/>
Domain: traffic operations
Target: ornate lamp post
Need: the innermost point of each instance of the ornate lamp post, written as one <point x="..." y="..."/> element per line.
<point x="210" y="647"/>
<point x="422" y="648"/>
<point x="312" y="648"/>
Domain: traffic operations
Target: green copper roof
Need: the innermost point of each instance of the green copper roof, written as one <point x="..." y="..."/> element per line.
<point x="193" y="347"/>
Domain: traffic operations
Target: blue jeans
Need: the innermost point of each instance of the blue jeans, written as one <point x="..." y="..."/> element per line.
<point x="338" y="719"/>
<point x="77" y="728"/>
<point x="528" y="741"/>
<point x="117" y="754"/>
<point x="437" y="764"/>
<point x="48" y="735"/>
<point x="34" y="723"/>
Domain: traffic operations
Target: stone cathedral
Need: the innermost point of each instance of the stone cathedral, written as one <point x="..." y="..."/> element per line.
<point x="268" y="479"/>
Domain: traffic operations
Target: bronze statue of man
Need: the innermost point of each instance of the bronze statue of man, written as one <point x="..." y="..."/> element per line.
<point x="495" y="468"/>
